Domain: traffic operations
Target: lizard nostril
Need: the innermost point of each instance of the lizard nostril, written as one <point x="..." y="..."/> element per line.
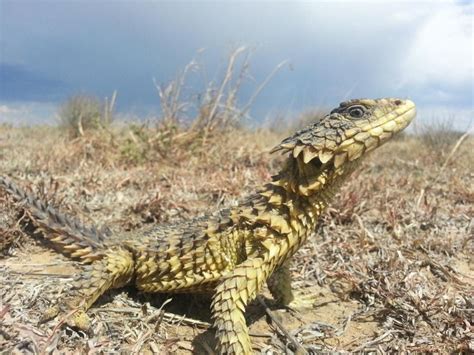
<point x="398" y="102"/>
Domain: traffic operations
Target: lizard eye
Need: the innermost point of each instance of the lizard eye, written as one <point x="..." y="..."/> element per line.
<point x="356" y="111"/>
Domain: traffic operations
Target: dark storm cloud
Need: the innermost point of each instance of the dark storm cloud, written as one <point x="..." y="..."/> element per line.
<point x="335" y="50"/>
<point x="17" y="82"/>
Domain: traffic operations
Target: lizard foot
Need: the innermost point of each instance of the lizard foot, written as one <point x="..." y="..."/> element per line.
<point x="75" y="319"/>
<point x="302" y="301"/>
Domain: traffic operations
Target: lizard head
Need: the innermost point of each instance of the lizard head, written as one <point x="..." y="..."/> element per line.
<point x="349" y="131"/>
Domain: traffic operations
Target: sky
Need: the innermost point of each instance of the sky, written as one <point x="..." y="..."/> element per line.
<point x="335" y="50"/>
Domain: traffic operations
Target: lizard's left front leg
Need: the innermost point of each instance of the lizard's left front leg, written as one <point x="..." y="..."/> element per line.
<point x="228" y="304"/>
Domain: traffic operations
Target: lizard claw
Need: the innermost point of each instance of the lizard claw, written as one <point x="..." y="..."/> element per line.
<point x="49" y="314"/>
<point x="79" y="320"/>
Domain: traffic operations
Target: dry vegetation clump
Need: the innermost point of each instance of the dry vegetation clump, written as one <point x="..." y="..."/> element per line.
<point x="195" y="119"/>
<point x="82" y="113"/>
<point x="438" y="134"/>
<point x="10" y="230"/>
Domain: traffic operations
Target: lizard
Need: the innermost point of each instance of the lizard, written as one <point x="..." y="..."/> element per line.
<point x="233" y="252"/>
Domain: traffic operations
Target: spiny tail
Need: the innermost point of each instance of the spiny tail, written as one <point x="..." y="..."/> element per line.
<point x="67" y="234"/>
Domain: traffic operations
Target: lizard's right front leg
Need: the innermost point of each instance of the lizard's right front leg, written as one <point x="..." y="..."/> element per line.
<point x="114" y="270"/>
<point x="279" y="284"/>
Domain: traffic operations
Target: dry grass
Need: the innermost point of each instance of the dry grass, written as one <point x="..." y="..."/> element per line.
<point x="391" y="262"/>
<point x="192" y="118"/>
<point x="439" y="134"/>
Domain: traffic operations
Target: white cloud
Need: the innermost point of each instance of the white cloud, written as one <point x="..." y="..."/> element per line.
<point x="458" y="119"/>
<point x="21" y="113"/>
<point x="7" y="110"/>
<point x="442" y="51"/>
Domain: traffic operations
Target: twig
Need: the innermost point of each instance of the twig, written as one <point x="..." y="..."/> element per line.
<point x="227" y="78"/>
<point x="362" y="226"/>
<point x="375" y="341"/>
<point x="142" y="338"/>
<point x="450" y="155"/>
<point x="166" y="315"/>
<point x="42" y="274"/>
<point x="299" y="348"/>
<point x="261" y="87"/>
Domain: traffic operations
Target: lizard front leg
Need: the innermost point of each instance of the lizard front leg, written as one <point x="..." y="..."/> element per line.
<point x="114" y="270"/>
<point x="279" y="284"/>
<point x="230" y="299"/>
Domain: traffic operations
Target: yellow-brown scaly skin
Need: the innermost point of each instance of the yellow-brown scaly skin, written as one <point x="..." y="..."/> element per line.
<point x="233" y="252"/>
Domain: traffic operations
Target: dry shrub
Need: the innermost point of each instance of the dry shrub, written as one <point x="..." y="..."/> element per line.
<point x="216" y="107"/>
<point x="193" y="119"/>
<point x="438" y="134"/>
<point x="82" y="113"/>
<point x="189" y="119"/>
<point x="10" y="231"/>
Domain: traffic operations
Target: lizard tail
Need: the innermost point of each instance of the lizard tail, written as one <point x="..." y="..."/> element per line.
<point x="67" y="234"/>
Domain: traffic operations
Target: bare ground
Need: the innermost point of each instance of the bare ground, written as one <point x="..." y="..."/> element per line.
<point x="391" y="264"/>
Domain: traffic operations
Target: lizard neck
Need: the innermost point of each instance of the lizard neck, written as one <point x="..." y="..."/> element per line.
<point x="289" y="207"/>
<point x="307" y="184"/>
